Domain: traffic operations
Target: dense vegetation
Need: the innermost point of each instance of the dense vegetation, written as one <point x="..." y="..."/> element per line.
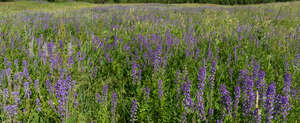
<point x="150" y="63"/>
<point x="225" y="2"/>
<point x="228" y="2"/>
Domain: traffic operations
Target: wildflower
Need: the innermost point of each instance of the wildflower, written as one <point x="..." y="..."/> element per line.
<point x="104" y="93"/>
<point x="27" y="90"/>
<point x="157" y="57"/>
<point x="11" y="110"/>
<point x="113" y="106"/>
<point x="98" y="97"/>
<point x="160" y="91"/>
<point x="237" y="94"/>
<point x="249" y="97"/>
<point x="133" y="110"/>
<point x="287" y="84"/>
<point x="49" y="87"/>
<point x="134" y="72"/>
<point x="226" y="100"/>
<point x="187" y="100"/>
<point x="212" y="76"/>
<point x="37" y="102"/>
<point x="202" y="78"/>
<point x="36" y="85"/>
<point x="284" y="99"/>
<point x="5" y="94"/>
<point x="200" y="105"/>
<point x="16" y="97"/>
<point x="270" y="102"/>
<point x="261" y="86"/>
<point x="147" y="91"/>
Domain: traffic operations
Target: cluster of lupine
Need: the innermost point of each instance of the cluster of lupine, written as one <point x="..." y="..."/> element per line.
<point x="151" y="63"/>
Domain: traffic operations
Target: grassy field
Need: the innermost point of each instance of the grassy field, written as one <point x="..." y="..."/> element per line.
<point x="82" y="62"/>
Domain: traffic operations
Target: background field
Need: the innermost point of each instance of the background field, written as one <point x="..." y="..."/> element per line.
<point x="83" y="62"/>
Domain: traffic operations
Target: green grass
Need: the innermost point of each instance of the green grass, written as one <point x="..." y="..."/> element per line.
<point x="109" y="43"/>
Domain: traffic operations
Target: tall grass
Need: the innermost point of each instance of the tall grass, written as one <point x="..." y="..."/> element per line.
<point x="151" y="63"/>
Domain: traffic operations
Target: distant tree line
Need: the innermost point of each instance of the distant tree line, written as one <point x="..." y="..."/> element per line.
<point x="226" y="2"/>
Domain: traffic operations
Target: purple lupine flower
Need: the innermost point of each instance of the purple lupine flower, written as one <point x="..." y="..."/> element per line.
<point x="237" y="95"/>
<point x="242" y="76"/>
<point x="9" y="64"/>
<point x="62" y="92"/>
<point x="8" y="74"/>
<point x="82" y="57"/>
<point x="196" y="54"/>
<point x="16" y="62"/>
<point x="61" y="45"/>
<point x="147" y="91"/>
<point x="211" y="82"/>
<point x="134" y="108"/>
<point x="58" y="88"/>
<point x="5" y="61"/>
<point x="107" y="57"/>
<point x="70" y="59"/>
<point x="104" y="94"/>
<point x="255" y="72"/>
<point x="219" y="121"/>
<point x="210" y="112"/>
<point x="187" y="53"/>
<point x="160" y="91"/>
<point x="50" y="48"/>
<point x="249" y="97"/>
<point x="212" y="75"/>
<point x="113" y="106"/>
<point x="49" y="87"/>
<point x="187" y="100"/>
<point x="11" y="110"/>
<point x="157" y="57"/>
<point x="202" y="78"/>
<point x="235" y="52"/>
<point x="37" y="103"/>
<point x="37" y="85"/>
<point x="257" y="116"/>
<point x="3" y="71"/>
<point x="16" y="97"/>
<point x="16" y="76"/>
<point x="5" y="94"/>
<point x="24" y="63"/>
<point x="27" y="90"/>
<point x="98" y="98"/>
<point x="287" y="84"/>
<point x="284" y="99"/>
<point x="21" y="75"/>
<point x="284" y="107"/>
<point x="61" y="109"/>
<point x="200" y="105"/>
<point x="134" y="72"/>
<point x="269" y="106"/>
<point x="261" y="87"/>
<point x="25" y="72"/>
<point x="226" y="100"/>
<point x="209" y="53"/>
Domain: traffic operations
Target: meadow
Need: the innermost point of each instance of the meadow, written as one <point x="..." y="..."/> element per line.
<point x="82" y="62"/>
